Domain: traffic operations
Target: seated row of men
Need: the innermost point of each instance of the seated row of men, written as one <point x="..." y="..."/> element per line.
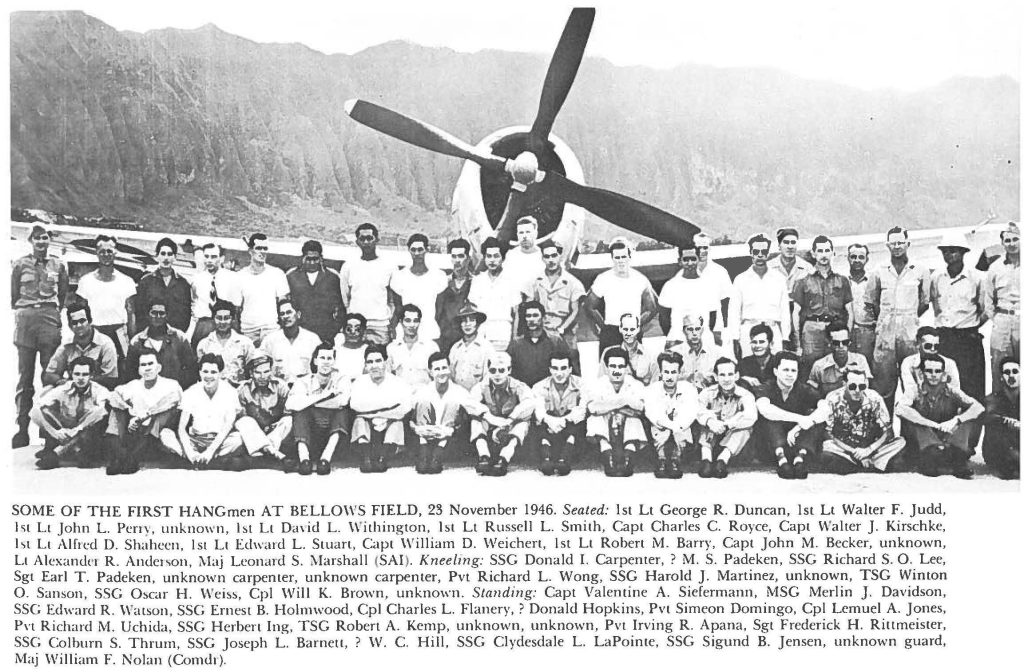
<point x="788" y="423"/>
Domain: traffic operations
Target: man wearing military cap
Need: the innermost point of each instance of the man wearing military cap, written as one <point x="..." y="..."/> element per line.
<point x="1002" y="302"/>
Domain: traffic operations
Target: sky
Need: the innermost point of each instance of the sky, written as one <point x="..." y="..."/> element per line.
<point x="870" y="44"/>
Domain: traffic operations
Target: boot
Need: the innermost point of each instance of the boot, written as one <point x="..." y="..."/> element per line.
<point x="609" y="464"/>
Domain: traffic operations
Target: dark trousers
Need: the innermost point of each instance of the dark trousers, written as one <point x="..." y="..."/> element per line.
<point x="964" y="346"/>
<point x="955" y="448"/>
<point x="609" y="336"/>
<point x="558" y="440"/>
<point x="36" y="332"/>
<point x="769" y="435"/>
<point x="313" y="426"/>
<point x="1001" y="450"/>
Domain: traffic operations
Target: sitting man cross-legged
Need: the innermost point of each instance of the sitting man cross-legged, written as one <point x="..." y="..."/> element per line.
<point x="560" y="412"/>
<point x="71" y="417"/>
<point x="438" y="409"/>
<point x="616" y="404"/>
<point x="858" y="430"/>
<point x="380" y="401"/>
<point x="320" y="414"/>
<point x="670" y="405"/>
<point x="727" y="413"/>
<point x="787" y="427"/>
<point x="264" y="425"/>
<point x="502" y="428"/>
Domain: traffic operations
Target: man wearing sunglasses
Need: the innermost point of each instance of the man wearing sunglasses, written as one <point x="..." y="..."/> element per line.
<point x="941" y="419"/>
<point x="827" y="373"/>
<point x="1002" y="302"/>
<point x="1001" y="448"/>
<point x="760" y="296"/>
<point x="501" y="430"/>
<point x="858" y="429"/>
<point x="350" y="347"/>
<point x="928" y="343"/>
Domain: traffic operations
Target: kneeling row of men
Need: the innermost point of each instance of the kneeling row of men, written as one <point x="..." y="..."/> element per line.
<point x="787" y="423"/>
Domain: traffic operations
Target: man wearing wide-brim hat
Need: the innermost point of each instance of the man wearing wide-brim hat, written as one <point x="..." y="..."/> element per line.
<point x="469" y="355"/>
<point x="958" y="301"/>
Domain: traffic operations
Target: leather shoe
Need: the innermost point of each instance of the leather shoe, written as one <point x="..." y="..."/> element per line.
<point x="20" y="439"/>
<point x="661" y="471"/>
<point x="963" y="472"/>
<point x="785" y="471"/>
<point x="609" y="464"/>
<point x="500" y="467"/>
<point x="305" y="468"/>
<point x="483" y="465"/>
<point x="547" y="467"/>
<point x="720" y="469"/>
<point x="49" y="460"/>
<point x="705" y="470"/>
<point x="800" y="470"/>
<point x="627" y="465"/>
<point x="562" y="467"/>
<point x="673" y="469"/>
<point x="323" y="467"/>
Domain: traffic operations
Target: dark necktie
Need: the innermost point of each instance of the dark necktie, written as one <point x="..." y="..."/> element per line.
<point x="213" y="293"/>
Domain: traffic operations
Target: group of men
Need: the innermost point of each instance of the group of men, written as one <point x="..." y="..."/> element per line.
<point x="798" y="362"/>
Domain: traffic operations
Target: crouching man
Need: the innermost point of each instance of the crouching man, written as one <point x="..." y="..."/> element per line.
<point x="264" y="425"/>
<point x="559" y="413"/>
<point x="319" y="407"/>
<point x="139" y="410"/>
<point x="670" y="405"/>
<point x="616" y="405"/>
<point x="71" y="417"/>
<point x="205" y="436"/>
<point x="858" y="430"/>
<point x="941" y="419"/>
<point x="727" y="413"/>
<point x="380" y="402"/>
<point x="438" y="409"/>
<point x="1001" y="448"/>
<point x="502" y="428"/>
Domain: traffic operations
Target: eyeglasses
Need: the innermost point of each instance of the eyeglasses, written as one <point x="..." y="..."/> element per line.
<point x="1011" y="372"/>
<point x="366" y="239"/>
<point x="158" y="313"/>
<point x="857" y="387"/>
<point x="1011" y="239"/>
<point x="550" y="256"/>
<point x="930" y="347"/>
<point x="417" y="250"/>
<point x="260" y="248"/>
<point x="840" y="341"/>
<point x="495" y="369"/>
<point x="759" y="253"/>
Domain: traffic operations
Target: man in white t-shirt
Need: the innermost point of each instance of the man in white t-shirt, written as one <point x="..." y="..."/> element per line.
<point x="380" y="401"/>
<point x="366" y="286"/>
<point x="206" y="435"/>
<point x="716" y="276"/>
<point x="111" y="297"/>
<point x="688" y="292"/>
<point x="524" y="262"/>
<point x="623" y="290"/>
<point x="497" y="294"/>
<point x="419" y="285"/>
<point x="261" y="286"/>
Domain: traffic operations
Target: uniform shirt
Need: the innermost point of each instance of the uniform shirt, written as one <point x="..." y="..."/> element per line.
<point x="369" y="396"/>
<point x="861" y="316"/>
<point x="826" y="375"/>
<point x="174" y="353"/>
<point x="802" y="399"/>
<point x="558" y="296"/>
<point x="1000" y="407"/>
<point x="821" y="295"/>
<point x="319" y="303"/>
<point x="139" y="400"/>
<point x="856" y="426"/>
<point x="311" y="387"/>
<point x="433" y="408"/>
<point x="801" y="267"/>
<point x="524" y="267"/>
<point x="714" y="402"/>
<point x="364" y="287"/>
<point x="531" y="360"/>
<point x="236" y="351"/>
<point x="211" y="414"/>
<point x="601" y="390"/>
<point x="291" y="357"/>
<point x="69" y="406"/>
<point x="698" y="367"/>
<point x="259" y="293"/>
<point x="106" y="299"/>
<point x="267" y="406"/>
<point x="938" y="404"/>
<point x="663" y="408"/>
<point x="898" y="294"/>
<point x="226" y="283"/>
<point x="100" y="350"/>
<point x="350" y="362"/>
<point x="569" y="402"/>
<point x="1002" y="287"/>
<point x="501" y="400"/>
<point x="912" y="377"/>
<point x="421" y="291"/>
<point x="642" y="364"/>
<point x="469" y="361"/>
<point x="175" y="295"/>
<point x="621" y="295"/>
<point x="959" y="302"/>
<point x="688" y="295"/>
<point x="409" y="362"/>
<point x="758" y="298"/>
<point x="34" y="281"/>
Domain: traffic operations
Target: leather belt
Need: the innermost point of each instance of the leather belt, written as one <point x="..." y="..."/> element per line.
<point x="40" y="304"/>
<point x="1007" y="311"/>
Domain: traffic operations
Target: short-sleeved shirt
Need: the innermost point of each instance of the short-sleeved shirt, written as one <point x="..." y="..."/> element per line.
<point x="368" y="396"/>
<point x="524" y="267"/>
<point x="291" y="357"/>
<point x="801" y="267"/>
<point x="421" y="291"/>
<point x="567" y="402"/>
<point x="501" y="400"/>
<point x="496" y="297"/>
<point x="100" y="350"/>
<point x="558" y="297"/>
<point x="761" y="298"/>
<point x="175" y="295"/>
<point x="236" y="351"/>
<point x="409" y="361"/>
<point x="826" y="375"/>
<point x="69" y="405"/>
<point x="469" y="361"/>
<point x="938" y="404"/>
<point x="364" y="286"/>
<point x="349" y="362"/>
<point x="531" y="359"/>
<point x="718" y="278"/>
<point x="259" y="294"/>
<point x="699" y="367"/>
<point x="621" y="295"/>
<point x="139" y="400"/>
<point x="265" y="406"/>
<point x="642" y="364"/>
<point x="211" y="414"/>
<point x="38" y="281"/>
<point x="856" y="425"/>
<point x="959" y="303"/>
<point x="823" y="296"/>
<point x="106" y="299"/>
<point x="433" y="408"/>
<point x="802" y="399"/>
<point x="688" y="295"/>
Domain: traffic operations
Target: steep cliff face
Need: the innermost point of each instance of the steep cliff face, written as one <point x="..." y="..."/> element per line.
<point x="202" y="129"/>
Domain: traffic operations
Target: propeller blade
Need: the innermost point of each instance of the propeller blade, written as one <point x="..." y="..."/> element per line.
<point x="624" y="211"/>
<point x="418" y="133"/>
<point x="561" y="73"/>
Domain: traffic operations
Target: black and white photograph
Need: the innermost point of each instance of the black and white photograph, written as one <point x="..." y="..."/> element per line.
<point x="750" y="260"/>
